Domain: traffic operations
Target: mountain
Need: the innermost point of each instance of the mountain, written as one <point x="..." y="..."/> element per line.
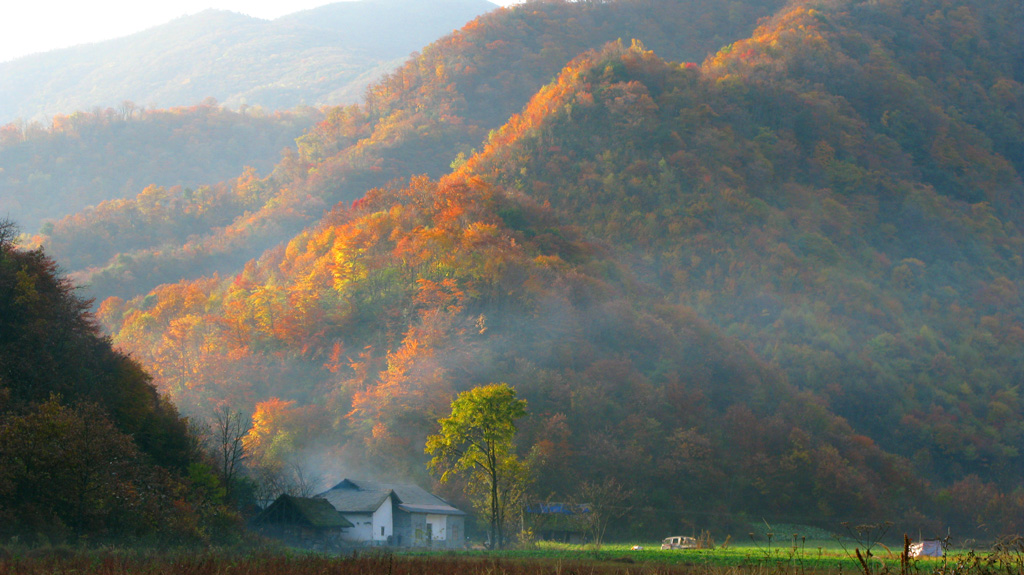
<point x="784" y="281"/>
<point x="87" y="158"/>
<point x="323" y="56"/>
<point x="440" y="104"/>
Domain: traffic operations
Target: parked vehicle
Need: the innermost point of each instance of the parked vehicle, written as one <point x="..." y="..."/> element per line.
<point x="927" y="548"/>
<point x="679" y="542"/>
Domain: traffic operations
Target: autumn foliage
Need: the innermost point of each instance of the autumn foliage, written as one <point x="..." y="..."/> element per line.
<point x="416" y="120"/>
<point x="782" y="281"/>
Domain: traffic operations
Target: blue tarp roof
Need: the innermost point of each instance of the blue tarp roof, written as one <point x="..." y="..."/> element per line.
<point x="559" y="508"/>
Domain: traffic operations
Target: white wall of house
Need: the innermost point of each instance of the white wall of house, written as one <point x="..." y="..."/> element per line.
<point x="362" y="527"/>
<point x="376" y="526"/>
<point x="438" y="526"/>
<point x="383" y="521"/>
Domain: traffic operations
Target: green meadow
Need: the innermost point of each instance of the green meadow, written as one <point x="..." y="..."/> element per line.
<point x="795" y="553"/>
<point x="765" y="551"/>
<point x="617" y="559"/>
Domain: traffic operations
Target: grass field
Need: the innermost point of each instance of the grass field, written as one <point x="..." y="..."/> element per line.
<point x="543" y="560"/>
<point x="793" y="555"/>
<point x="812" y="556"/>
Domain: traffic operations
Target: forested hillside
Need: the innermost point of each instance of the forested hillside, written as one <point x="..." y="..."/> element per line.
<point x="323" y="56"/>
<point x="784" y="281"/>
<point x="353" y="339"/>
<point x="83" y="159"/>
<point x="817" y="192"/>
<point x="416" y="121"/>
<point x="88" y="447"/>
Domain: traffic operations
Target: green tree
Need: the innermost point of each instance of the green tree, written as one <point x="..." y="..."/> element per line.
<point x="477" y="441"/>
<point x="68" y="468"/>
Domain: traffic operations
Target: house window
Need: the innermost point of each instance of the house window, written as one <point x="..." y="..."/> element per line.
<point x="382" y="531"/>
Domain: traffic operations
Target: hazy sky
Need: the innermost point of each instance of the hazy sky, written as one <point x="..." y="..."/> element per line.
<point x="32" y="26"/>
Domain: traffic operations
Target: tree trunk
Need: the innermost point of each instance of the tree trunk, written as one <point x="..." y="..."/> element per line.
<point x="496" y="542"/>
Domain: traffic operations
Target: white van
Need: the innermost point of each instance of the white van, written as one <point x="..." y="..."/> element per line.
<point x="679" y="542"/>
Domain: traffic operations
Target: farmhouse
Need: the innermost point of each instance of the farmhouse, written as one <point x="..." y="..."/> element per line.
<point x="303" y="522"/>
<point x="397" y="514"/>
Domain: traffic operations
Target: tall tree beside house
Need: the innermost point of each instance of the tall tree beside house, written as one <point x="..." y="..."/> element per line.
<point x="477" y="441"/>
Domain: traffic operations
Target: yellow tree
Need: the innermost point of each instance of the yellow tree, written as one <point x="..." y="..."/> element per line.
<point x="477" y="441"/>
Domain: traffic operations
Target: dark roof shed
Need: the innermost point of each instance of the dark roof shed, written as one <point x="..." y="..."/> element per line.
<point x="312" y="512"/>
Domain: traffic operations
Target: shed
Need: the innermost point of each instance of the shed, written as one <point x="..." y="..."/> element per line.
<point x="303" y="521"/>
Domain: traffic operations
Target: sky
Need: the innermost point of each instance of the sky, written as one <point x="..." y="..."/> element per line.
<point x="32" y="26"/>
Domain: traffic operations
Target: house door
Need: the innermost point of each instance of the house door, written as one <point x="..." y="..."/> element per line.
<point x="430" y="534"/>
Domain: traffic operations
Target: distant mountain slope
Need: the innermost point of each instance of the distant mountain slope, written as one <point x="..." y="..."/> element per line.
<point x="322" y="56"/>
<point x="85" y="158"/>
<point x="418" y="120"/>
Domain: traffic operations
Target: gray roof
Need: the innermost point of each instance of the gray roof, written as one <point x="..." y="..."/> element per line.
<point x="358" y="496"/>
<point x="354" y="500"/>
<point x="431" y="509"/>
